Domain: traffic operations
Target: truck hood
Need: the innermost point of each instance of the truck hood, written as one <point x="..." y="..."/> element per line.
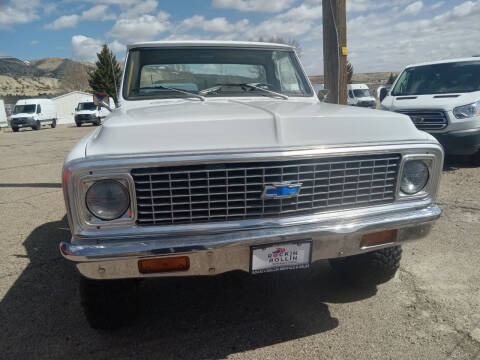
<point x="446" y="102"/>
<point x="87" y="112"/>
<point x="366" y="98"/>
<point x="22" y="115"/>
<point x="219" y="125"/>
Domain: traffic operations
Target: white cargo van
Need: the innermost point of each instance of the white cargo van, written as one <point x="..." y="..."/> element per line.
<point x="359" y="95"/>
<point x="33" y="113"/>
<point x="442" y="98"/>
<point x="88" y="112"/>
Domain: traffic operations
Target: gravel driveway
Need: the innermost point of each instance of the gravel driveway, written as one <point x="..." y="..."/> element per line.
<point x="431" y="310"/>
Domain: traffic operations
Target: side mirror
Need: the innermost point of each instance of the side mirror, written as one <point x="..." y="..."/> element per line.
<point x="383" y="93"/>
<point x="102" y="100"/>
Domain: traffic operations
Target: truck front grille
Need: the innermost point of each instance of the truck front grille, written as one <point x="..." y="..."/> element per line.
<point x="83" y="117"/>
<point x="427" y="119"/>
<point x="233" y="191"/>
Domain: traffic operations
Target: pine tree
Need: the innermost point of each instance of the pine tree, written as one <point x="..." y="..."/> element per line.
<point x="391" y="79"/>
<point x="106" y="77"/>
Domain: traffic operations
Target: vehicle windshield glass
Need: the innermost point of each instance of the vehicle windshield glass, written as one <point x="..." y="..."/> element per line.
<point x="198" y="70"/>
<point x="24" y="109"/>
<point x="457" y="77"/>
<point x="361" y="93"/>
<point x="87" y="106"/>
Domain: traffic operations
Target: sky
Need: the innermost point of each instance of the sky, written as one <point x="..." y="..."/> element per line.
<point x="382" y="35"/>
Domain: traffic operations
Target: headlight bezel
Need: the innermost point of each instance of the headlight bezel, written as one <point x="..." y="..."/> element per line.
<point x="426" y="191"/>
<point x="475" y="108"/>
<point x="89" y="220"/>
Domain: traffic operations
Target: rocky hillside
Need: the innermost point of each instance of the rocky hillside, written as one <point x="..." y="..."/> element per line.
<point x="44" y="76"/>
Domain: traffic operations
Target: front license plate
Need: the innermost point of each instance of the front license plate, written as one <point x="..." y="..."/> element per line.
<point x="283" y="256"/>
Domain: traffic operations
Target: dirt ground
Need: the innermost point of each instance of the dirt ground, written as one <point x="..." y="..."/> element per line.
<point x="431" y="310"/>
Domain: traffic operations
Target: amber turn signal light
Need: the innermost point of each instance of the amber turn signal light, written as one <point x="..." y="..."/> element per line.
<point x="157" y="265"/>
<point x="378" y="238"/>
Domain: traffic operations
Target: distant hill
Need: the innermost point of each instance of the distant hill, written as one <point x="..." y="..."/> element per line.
<point x="43" y="76"/>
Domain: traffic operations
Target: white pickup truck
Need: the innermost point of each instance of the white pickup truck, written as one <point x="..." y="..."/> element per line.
<point x="220" y="157"/>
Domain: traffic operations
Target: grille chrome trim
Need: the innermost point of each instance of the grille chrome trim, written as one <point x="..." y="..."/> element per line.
<point x="232" y="191"/>
<point x="427" y="119"/>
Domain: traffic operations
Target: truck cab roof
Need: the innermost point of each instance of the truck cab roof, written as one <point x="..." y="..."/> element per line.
<point x="445" y="61"/>
<point x="208" y="43"/>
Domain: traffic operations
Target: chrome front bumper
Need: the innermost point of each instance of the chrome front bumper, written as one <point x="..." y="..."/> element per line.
<point x="227" y="251"/>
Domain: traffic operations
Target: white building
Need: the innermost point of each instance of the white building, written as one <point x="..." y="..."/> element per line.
<point x="67" y="103"/>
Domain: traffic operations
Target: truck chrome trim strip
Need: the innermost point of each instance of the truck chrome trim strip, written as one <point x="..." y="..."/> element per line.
<point x="343" y="236"/>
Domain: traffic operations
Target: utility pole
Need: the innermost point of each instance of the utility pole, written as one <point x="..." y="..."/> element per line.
<point x="335" y="50"/>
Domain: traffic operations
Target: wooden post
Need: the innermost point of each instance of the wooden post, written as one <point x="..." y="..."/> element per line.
<point x="335" y="50"/>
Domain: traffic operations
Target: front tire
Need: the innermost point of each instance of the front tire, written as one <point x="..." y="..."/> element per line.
<point x="78" y="123"/>
<point x="475" y="158"/>
<point x="15" y="129"/>
<point x="37" y="125"/>
<point x="108" y="304"/>
<point x="54" y="123"/>
<point x="372" y="268"/>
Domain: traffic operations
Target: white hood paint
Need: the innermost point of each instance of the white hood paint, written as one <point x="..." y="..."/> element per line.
<point x="239" y="124"/>
<point x="88" y="112"/>
<point x="22" y="115"/>
<point x="430" y="102"/>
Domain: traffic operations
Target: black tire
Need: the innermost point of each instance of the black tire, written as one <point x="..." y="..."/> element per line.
<point x="97" y="123"/>
<point x="78" y="123"/>
<point x="54" y="123"/>
<point x="372" y="268"/>
<point x="37" y="125"/>
<point x="108" y="304"/>
<point x="15" y="129"/>
<point x="475" y="158"/>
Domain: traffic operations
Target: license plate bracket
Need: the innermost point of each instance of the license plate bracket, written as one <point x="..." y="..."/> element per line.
<point x="290" y="255"/>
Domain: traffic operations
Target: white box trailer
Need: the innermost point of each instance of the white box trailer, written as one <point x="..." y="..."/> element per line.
<point x="33" y="113"/>
<point x="3" y="115"/>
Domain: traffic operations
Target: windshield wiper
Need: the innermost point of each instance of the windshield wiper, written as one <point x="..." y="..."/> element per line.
<point x="161" y="87"/>
<point x="256" y="86"/>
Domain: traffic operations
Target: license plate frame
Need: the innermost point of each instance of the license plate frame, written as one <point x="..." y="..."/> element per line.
<point x="259" y="256"/>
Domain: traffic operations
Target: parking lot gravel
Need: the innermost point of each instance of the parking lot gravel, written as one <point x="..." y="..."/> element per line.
<point x="430" y="310"/>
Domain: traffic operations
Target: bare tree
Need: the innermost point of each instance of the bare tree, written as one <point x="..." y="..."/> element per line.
<point x="349" y="72"/>
<point x="74" y="76"/>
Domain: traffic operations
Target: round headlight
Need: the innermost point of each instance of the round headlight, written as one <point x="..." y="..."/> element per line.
<point x="415" y="177"/>
<point x="107" y="199"/>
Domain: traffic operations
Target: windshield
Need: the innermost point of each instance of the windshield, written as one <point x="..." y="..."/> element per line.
<point x="361" y="93"/>
<point x="87" y="106"/>
<point x="457" y="77"/>
<point x="24" y="109"/>
<point x="197" y="70"/>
